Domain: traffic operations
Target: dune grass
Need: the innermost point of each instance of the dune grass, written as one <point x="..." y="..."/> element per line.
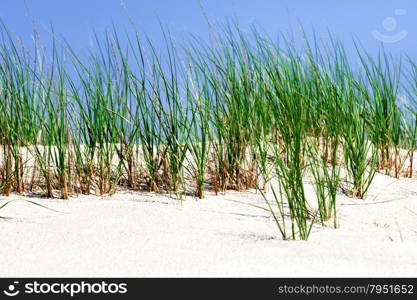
<point x="241" y="112"/>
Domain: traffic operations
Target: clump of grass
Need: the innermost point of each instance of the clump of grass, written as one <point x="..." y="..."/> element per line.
<point x="326" y="182"/>
<point x="18" y="106"/>
<point x="172" y="115"/>
<point x="290" y="117"/>
<point x="360" y="155"/>
<point x="385" y="128"/>
<point x="146" y="127"/>
<point x="200" y="131"/>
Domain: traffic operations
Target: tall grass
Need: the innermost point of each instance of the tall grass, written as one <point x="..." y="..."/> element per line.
<point x="242" y="112"/>
<point x="381" y="95"/>
<point x="200" y="132"/>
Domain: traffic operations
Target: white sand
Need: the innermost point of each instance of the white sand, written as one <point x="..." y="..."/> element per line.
<point x="139" y="234"/>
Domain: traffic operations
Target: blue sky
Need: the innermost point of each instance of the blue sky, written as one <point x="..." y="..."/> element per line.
<point x="369" y="21"/>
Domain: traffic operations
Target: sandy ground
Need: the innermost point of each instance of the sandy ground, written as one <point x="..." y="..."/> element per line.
<point x="137" y="234"/>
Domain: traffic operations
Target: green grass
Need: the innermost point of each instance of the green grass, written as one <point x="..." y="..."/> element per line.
<point x="241" y="112"/>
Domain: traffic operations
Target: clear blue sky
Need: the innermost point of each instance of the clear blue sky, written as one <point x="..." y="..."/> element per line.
<point x="74" y="19"/>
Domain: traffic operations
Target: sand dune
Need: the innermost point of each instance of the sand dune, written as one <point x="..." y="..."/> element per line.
<point x="139" y="234"/>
